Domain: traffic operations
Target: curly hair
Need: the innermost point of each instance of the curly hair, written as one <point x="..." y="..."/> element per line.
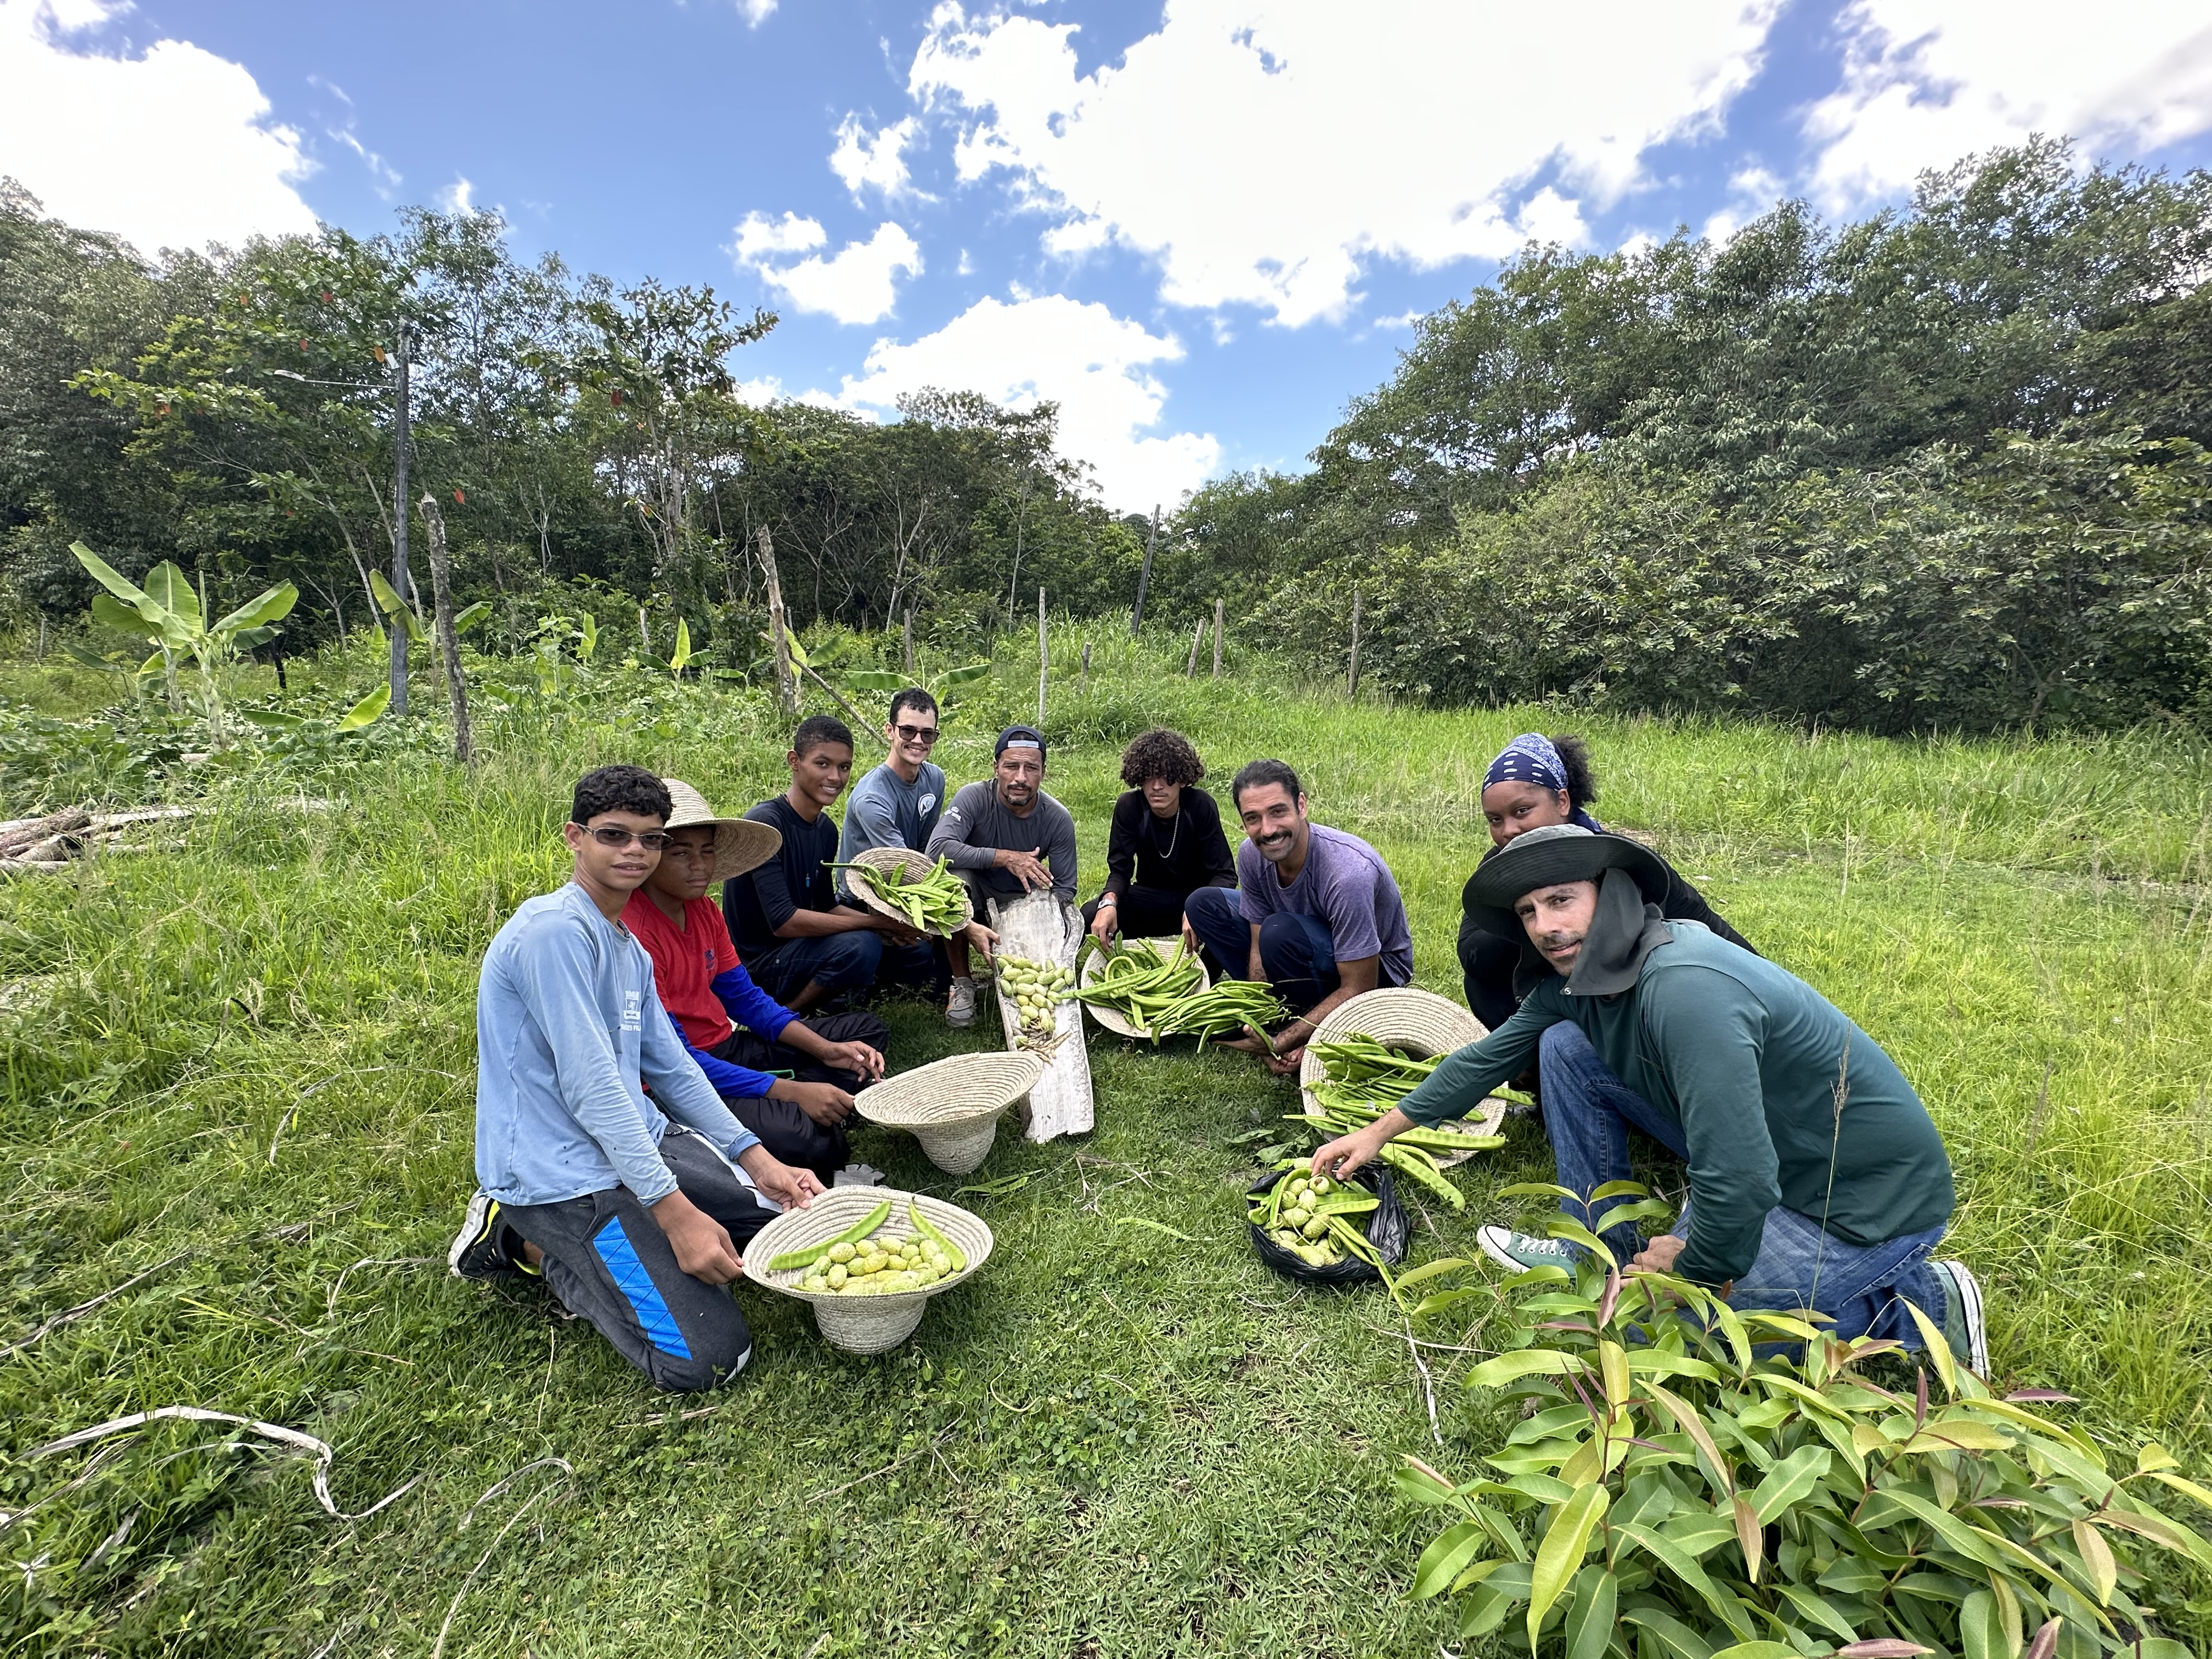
<point x="620" y="789"/>
<point x="1161" y="753"/>
<point x="1582" y="782"/>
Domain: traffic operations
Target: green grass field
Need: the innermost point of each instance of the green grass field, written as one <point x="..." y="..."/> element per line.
<point x="250" y="1059"/>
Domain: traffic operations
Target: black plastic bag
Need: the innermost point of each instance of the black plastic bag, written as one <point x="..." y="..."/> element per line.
<point x="1388" y="1231"/>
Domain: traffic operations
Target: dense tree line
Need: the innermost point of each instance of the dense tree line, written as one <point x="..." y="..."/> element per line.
<point x="235" y="414"/>
<point x="1943" y="466"/>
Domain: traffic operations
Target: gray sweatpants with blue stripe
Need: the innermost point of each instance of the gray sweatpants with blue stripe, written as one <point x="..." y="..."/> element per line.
<point x="609" y="1262"/>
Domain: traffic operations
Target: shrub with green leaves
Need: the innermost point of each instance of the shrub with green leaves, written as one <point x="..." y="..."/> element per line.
<point x="1690" y="1481"/>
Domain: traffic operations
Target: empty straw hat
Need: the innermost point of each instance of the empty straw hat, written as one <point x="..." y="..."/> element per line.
<point x="740" y="844"/>
<point x="1421" y="1023"/>
<point x="952" y="1106"/>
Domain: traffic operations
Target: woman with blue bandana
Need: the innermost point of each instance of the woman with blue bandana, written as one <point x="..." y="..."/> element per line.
<point x="1536" y="782"/>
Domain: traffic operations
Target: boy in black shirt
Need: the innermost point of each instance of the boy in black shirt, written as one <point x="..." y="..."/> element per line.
<point x="797" y="941"/>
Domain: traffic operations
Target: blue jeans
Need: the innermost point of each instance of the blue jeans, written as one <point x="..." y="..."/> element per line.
<point x="1587" y="1112"/>
<point x="843" y="962"/>
<point x="1297" y="953"/>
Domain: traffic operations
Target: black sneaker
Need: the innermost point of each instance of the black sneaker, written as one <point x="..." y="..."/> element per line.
<point x="480" y="1248"/>
<point x="1962" y="1316"/>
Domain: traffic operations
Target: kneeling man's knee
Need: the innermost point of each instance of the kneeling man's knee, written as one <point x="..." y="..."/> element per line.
<point x="718" y="1354"/>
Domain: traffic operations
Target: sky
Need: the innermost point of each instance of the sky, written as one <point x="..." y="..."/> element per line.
<point x="1200" y="227"/>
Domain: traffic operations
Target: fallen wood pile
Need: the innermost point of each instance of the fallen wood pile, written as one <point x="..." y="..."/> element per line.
<point x="54" y="842"/>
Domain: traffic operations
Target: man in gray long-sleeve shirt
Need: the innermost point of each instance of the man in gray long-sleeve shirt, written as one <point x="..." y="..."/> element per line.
<point x="631" y="1208"/>
<point x="1004" y="837"/>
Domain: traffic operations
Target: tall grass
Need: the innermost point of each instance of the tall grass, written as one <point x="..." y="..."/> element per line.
<point x="259" y="1049"/>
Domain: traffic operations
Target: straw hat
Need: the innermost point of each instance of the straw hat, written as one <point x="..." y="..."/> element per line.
<point x="913" y="865"/>
<point x="1420" y="1022"/>
<point x="952" y="1106"/>
<point x="863" y="1324"/>
<point x="1113" y="1019"/>
<point x="740" y="844"/>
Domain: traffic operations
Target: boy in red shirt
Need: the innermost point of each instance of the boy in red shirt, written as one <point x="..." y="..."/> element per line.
<point x="736" y="1031"/>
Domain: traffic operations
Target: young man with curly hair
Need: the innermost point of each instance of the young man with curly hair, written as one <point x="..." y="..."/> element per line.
<point x="1165" y="843"/>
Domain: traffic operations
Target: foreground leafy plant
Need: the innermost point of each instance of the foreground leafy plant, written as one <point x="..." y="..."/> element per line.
<point x="1682" y="1487"/>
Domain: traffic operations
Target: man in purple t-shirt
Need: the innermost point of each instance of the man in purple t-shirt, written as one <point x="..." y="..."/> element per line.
<point x="1316" y="912"/>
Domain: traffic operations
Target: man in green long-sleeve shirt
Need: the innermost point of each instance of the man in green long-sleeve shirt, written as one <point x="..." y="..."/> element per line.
<point x="1816" y="1179"/>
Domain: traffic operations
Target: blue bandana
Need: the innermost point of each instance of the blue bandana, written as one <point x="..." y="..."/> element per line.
<point x="1532" y="758"/>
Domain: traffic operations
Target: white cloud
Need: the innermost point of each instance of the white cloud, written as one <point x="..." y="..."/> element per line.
<point x="1095" y="365"/>
<point x="760" y="239"/>
<point x="855" y="285"/>
<point x="170" y="148"/>
<point x="1927" y="81"/>
<point x="1264" y="150"/>
<point x="756" y="12"/>
<point x="1752" y="192"/>
<point x="458" y="197"/>
<point x="383" y="176"/>
<point x="861" y="160"/>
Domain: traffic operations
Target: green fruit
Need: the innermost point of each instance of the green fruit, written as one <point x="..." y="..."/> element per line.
<point x="1315" y="1227"/>
<point x="838" y="1277"/>
<point x="842" y="1253"/>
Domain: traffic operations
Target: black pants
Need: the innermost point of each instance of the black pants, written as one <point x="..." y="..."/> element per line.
<point x="1143" y="912"/>
<point x="789" y="1134"/>
<point x="609" y="1262"/>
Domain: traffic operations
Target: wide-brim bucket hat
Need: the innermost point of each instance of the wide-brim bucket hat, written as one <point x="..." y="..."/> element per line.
<point x="1546" y="857"/>
<point x="740" y="844"/>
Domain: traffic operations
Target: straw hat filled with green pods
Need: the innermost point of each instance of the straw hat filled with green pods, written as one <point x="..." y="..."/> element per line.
<point x="1124" y="985"/>
<point x="927" y="894"/>
<point x="868" y="1260"/>
<point x="952" y="1106"/>
<point x="1369" y="1052"/>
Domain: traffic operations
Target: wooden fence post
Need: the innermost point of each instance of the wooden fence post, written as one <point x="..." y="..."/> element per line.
<point x="1351" y="678"/>
<point x="1217" y="639"/>
<point x="1137" y="615"/>
<point x="1044" y="659"/>
<point x="906" y="640"/>
<point x="401" y="581"/>
<point x="1197" y="639"/>
<point x="1086" y="667"/>
<point x="644" y="633"/>
<point x="449" y="639"/>
<point x="786" y="685"/>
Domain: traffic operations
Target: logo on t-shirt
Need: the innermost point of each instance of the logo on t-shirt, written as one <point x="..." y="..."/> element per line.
<point x="923" y="806"/>
<point x="633" y="1008"/>
<point x="953" y="816"/>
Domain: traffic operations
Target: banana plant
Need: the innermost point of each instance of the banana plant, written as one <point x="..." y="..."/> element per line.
<point x="945" y="688"/>
<point x="167" y="611"/>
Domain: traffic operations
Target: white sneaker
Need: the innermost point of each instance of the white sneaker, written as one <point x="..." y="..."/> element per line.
<point x="1963" y="1323"/>
<point x="960" y="1006"/>
<point x="1519" y="1252"/>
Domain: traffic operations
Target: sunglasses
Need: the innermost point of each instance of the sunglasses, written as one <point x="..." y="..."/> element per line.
<point x="607" y="835"/>
<point x="916" y="734"/>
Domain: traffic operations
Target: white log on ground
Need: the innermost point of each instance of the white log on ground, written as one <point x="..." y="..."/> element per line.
<point x="1045" y="928"/>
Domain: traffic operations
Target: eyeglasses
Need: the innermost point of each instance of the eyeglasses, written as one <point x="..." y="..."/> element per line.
<point x="607" y="835"/>
<point x="924" y="734"/>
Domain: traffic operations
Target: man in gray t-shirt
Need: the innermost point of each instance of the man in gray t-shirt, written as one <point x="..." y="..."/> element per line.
<point x="1004" y="837"/>
<point x="1316" y="912"/>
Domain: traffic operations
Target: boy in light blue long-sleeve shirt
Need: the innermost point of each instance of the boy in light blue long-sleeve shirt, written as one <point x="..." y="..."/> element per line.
<point x="632" y="1207"/>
